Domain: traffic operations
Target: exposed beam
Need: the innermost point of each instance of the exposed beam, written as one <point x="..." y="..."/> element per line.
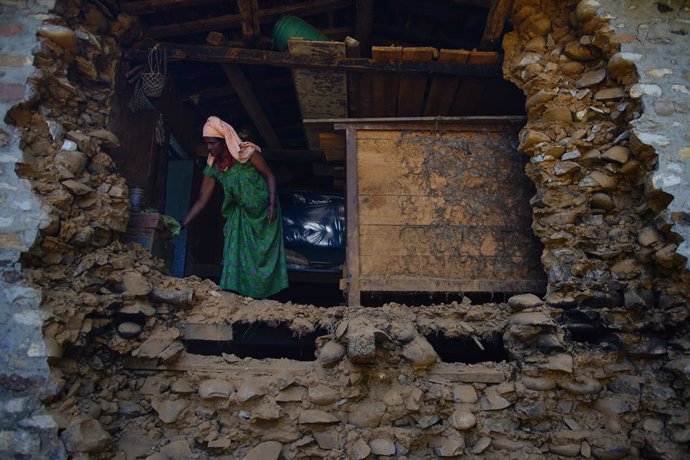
<point x="154" y="6"/>
<point x="223" y="55"/>
<point x="364" y="23"/>
<point x="246" y="94"/>
<point x="495" y="23"/>
<point x="235" y="20"/>
<point x="250" y="21"/>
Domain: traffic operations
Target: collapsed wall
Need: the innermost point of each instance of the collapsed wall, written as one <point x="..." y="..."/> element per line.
<point x="599" y="370"/>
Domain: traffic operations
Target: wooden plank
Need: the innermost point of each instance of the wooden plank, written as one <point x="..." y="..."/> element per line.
<point x="443" y="88"/>
<point x="352" y="211"/>
<point x="464" y="240"/>
<point x="353" y="50"/>
<point x="201" y="53"/>
<point x="385" y="86"/>
<point x="249" y="11"/>
<point x="320" y="93"/>
<point x="471" y="90"/>
<point x="420" y="284"/>
<point x="202" y="331"/>
<point x="229" y="21"/>
<point x="440" y="265"/>
<point x="244" y="91"/>
<point x="411" y="89"/>
<point x="187" y="362"/>
<point x="495" y="23"/>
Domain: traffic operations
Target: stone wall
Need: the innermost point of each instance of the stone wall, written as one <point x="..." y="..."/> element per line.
<point x="24" y="373"/>
<point x="609" y="247"/>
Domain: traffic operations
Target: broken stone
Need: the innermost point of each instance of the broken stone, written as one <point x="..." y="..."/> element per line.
<point x="529" y="138"/>
<point x="586" y="10"/>
<point x="666" y="255"/>
<point x="648" y="236"/>
<point x="539" y="384"/>
<point x="215" y="388"/>
<point x="366" y="415"/>
<point x="652" y="348"/>
<point x="73" y="160"/>
<point x="63" y="36"/>
<point x="86" y="435"/>
<point x="617" y="153"/>
<point x="182" y="386"/>
<point x="633" y="300"/>
<point x="174" y="296"/>
<point x="560" y="362"/>
<point x="465" y="393"/>
<point x="565" y="450"/>
<point x="611" y="453"/>
<point x="360" y="450"/>
<point x="612" y="405"/>
<point x="393" y="398"/>
<point x="419" y="353"/>
<point x="323" y="395"/>
<point x="269" y="450"/>
<point x="591" y="78"/>
<point x="161" y="338"/>
<point x="481" y="445"/>
<point x="578" y="52"/>
<point x="494" y="402"/>
<point x="331" y="353"/>
<point x="382" y="446"/>
<point x="291" y="394"/>
<point x="462" y="420"/>
<point x="451" y="446"/>
<point x="107" y="138"/>
<point x="609" y="94"/>
<point x="561" y="114"/>
<point x="249" y="389"/>
<point x="77" y="187"/>
<point x="128" y="330"/>
<point x="428" y="421"/>
<point x="135" y="283"/>
<point x="562" y="168"/>
<point x="327" y="440"/>
<point x="312" y="416"/>
<point x="169" y="411"/>
<point x="361" y="346"/>
<point x="582" y="386"/>
<point x="602" y="201"/>
<point x="507" y="444"/>
<point x="267" y="410"/>
<point x="177" y="450"/>
<point x="626" y="269"/>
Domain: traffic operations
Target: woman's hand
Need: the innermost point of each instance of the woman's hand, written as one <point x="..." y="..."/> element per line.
<point x="272" y="208"/>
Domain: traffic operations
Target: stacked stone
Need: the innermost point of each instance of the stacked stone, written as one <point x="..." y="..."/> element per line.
<point x="65" y="145"/>
<point x="592" y="210"/>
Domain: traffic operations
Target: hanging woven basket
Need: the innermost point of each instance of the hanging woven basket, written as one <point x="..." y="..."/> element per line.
<point x="139" y="101"/>
<point x="153" y="81"/>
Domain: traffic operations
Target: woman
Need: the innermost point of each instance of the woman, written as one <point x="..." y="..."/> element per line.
<point x="253" y="253"/>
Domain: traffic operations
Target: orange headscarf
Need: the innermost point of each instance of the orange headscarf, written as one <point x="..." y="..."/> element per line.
<point x="240" y="151"/>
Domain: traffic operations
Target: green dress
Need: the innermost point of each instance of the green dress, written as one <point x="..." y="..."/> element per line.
<point x="253" y="253"/>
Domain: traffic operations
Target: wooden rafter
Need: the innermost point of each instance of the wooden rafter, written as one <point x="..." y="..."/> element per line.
<point x="224" y="55"/>
<point x="154" y="6"/>
<point x="267" y="15"/>
<point x="364" y="22"/>
<point x="249" y="10"/>
<point x="495" y="23"/>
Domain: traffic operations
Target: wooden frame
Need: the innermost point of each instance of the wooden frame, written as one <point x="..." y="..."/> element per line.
<point x="354" y="281"/>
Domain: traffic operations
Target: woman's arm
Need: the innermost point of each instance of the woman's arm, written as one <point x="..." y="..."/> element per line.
<point x="207" y="186"/>
<point x="260" y="164"/>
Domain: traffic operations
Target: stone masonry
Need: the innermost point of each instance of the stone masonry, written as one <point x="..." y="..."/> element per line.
<point x="94" y="332"/>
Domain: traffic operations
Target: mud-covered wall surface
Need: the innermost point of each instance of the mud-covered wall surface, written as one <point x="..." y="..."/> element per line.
<point x="598" y="369"/>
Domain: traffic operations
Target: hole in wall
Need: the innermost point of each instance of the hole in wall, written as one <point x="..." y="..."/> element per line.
<point x="464" y="349"/>
<point x="261" y="341"/>
<point x="417" y="299"/>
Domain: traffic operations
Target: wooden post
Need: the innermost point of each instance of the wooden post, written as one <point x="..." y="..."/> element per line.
<point x="352" y="209"/>
<point x="352" y="50"/>
<point x="250" y="21"/>
<point x="364" y="23"/>
<point x="495" y="23"/>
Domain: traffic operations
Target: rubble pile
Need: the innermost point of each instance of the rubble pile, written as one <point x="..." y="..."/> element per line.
<point x="599" y="369"/>
<point x="606" y="249"/>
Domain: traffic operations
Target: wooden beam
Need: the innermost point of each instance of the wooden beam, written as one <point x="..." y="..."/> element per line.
<point x="352" y="50"/>
<point x="229" y="21"/>
<point x="495" y="23"/>
<point x="250" y="21"/>
<point x="246" y="94"/>
<point x="154" y="6"/>
<point x="364" y="23"/>
<point x="223" y="55"/>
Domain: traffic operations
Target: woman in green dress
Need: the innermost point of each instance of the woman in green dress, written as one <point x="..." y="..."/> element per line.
<point x="253" y="253"/>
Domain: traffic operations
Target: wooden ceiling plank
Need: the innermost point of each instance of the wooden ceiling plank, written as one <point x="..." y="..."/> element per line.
<point x="155" y="6"/>
<point x="244" y="91"/>
<point x="229" y="21"/>
<point x="495" y="23"/>
<point x="385" y="86"/>
<point x="443" y="87"/>
<point x="224" y="55"/>
<point x="412" y="87"/>
<point x="250" y="21"/>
